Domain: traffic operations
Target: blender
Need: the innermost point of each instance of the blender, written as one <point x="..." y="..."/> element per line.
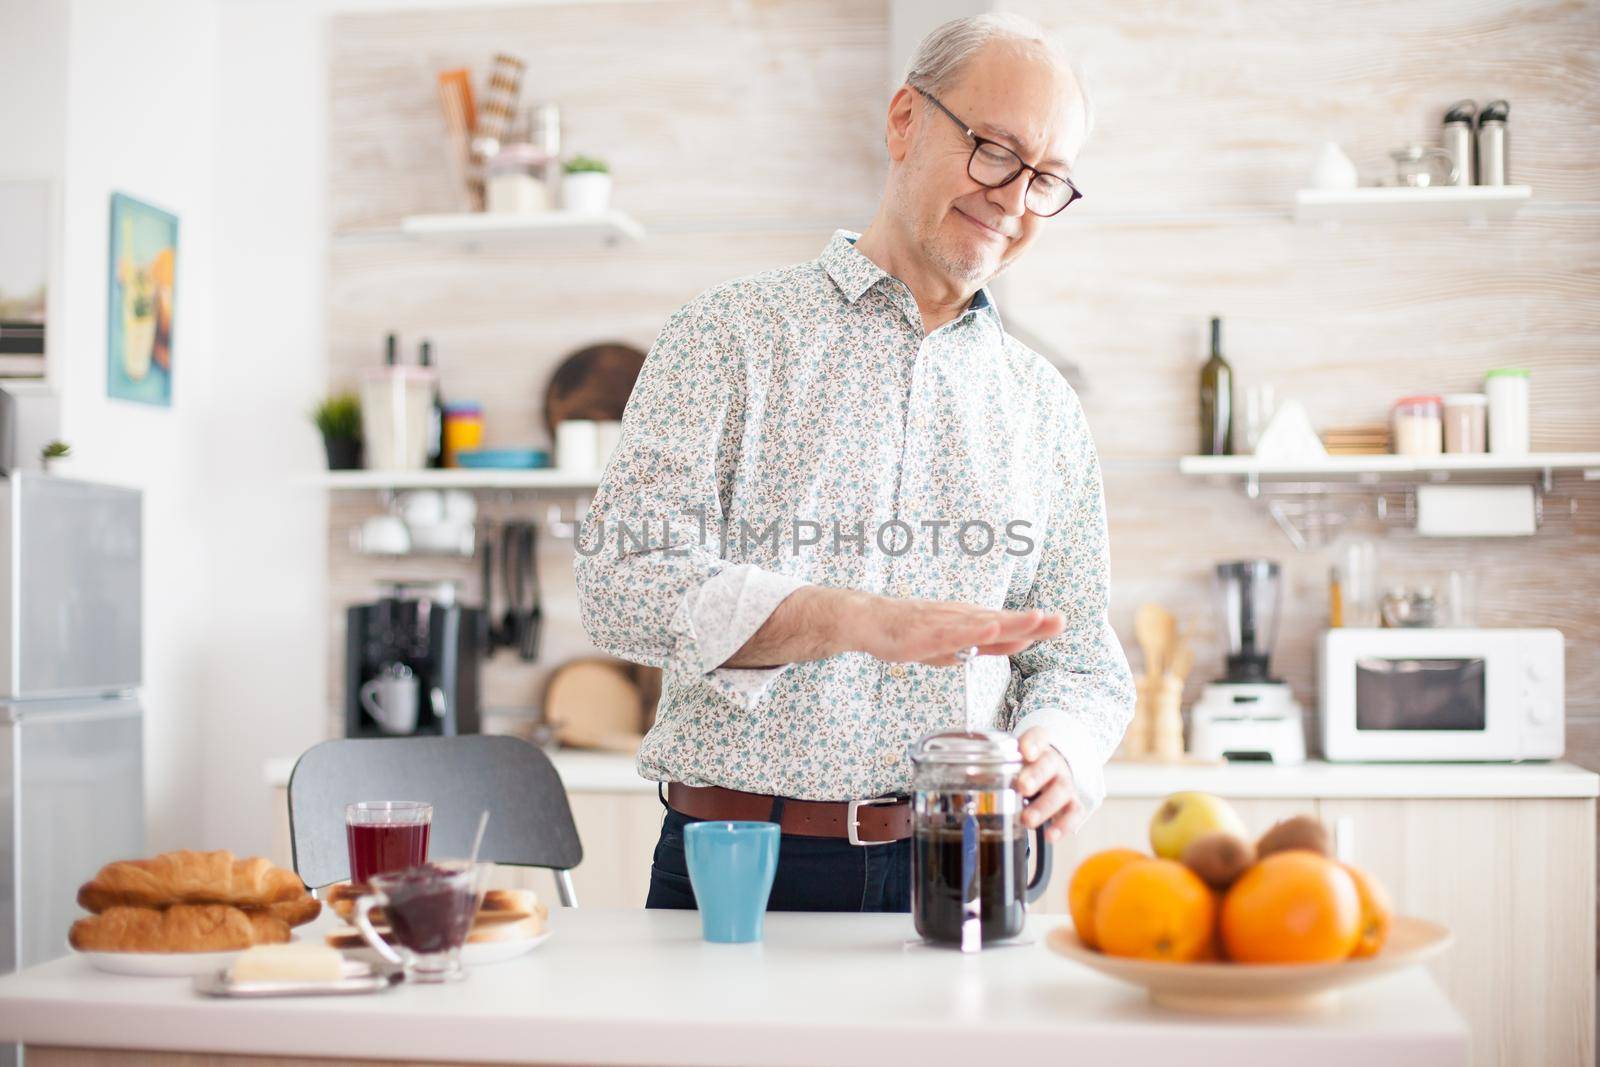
<point x="1248" y="714"/>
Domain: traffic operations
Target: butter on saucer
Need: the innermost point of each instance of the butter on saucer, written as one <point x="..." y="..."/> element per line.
<point x="297" y="961"/>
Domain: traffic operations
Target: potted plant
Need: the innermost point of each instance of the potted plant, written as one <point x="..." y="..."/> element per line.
<point x="53" y="456"/>
<point x="586" y="185"/>
<point x="338" y="419"/>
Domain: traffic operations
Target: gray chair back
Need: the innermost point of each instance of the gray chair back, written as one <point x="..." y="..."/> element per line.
<point x="530" y="821"/>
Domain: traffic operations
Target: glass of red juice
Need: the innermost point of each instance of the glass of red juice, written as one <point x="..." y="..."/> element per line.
<point x="386" y="835"/>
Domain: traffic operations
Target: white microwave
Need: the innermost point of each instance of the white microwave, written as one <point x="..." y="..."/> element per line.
<point x="1442" y="694"/>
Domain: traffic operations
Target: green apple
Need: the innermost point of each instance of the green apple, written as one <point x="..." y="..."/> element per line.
<point x="1182" y="817"/>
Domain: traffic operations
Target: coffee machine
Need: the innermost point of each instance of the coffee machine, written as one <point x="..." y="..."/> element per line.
<point x="1248" y="714"/>
<point x="412" y="663"/>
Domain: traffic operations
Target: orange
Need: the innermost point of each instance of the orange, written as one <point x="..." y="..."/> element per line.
<point x="1292" y="907"/>
<point x="1155" y="910"/>
<point x="1376" y="912"/>
<point x="1088" y="880"/>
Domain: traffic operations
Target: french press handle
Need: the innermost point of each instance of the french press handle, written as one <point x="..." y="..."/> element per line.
<point x="1041" y="871"/>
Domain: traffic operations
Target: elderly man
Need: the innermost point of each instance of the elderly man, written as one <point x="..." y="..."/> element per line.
<point x="837" y="477"/>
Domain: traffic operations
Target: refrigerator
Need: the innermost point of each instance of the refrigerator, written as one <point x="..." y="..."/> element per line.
<point x="71" y="727"/>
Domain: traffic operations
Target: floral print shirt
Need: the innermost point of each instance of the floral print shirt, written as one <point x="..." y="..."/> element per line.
<point x="798" y="427"/>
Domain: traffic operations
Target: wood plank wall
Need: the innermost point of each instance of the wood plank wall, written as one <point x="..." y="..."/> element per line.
<point x="743" y="133"/>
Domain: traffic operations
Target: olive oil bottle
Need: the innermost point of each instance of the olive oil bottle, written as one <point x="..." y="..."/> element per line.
<point x="1216" y="399"/>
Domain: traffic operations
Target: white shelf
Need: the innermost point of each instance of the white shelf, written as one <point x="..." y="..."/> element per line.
<point x="458" y="478"/>
<point x="548" y="229"/>
<point x="1356" y="466"/>
<point x="1387" y="203"/>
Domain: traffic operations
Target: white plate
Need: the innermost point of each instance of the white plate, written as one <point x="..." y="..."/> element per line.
<point x="161" y="964"/>
<point x="483" y="952"/>
<point x="475" y="954"/>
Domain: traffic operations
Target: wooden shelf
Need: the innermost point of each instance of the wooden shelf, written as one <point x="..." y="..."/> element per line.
<point x="1379" y="466"/>
<point x="459" y="478"/>
<point x="1392" y="203"/>
<point x="549" y="229"/>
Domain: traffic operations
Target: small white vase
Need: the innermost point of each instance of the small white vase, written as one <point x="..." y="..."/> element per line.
<point x="586" y="193"/>
<point x="1332" y="169"/>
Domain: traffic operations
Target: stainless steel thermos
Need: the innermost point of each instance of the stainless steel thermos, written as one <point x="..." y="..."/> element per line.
<point x="1494" y="167"/>
<point x="1460" y="142"/>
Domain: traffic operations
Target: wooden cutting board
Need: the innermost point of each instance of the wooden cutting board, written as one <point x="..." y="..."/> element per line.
<point x="594" y="703"/>
<point x="592" y="383"/>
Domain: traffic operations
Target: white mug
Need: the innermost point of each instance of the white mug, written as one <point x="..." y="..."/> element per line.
<point x="577" y="442"/>
<point x="384" y="535"/>
<point x="391" y="698"/>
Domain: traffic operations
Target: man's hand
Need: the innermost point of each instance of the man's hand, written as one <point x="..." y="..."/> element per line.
<point x="933" y="631"/>
<point x="1047" y="780"/>
<point x="815" y="622"/>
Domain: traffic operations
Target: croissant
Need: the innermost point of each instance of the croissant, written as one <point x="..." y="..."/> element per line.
<point x="180" y="928"/>
<point x="295" y="912"/>
<point x="190" y="878"/>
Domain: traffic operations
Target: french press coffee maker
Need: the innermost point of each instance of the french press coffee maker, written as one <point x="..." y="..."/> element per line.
<point x="969" y="858"/>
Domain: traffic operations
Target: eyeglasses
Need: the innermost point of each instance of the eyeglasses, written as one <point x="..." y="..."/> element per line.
<point x="994" y="165"/>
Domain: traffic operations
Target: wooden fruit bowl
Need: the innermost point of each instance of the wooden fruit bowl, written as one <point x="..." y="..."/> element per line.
<point x="1253" y="989"/>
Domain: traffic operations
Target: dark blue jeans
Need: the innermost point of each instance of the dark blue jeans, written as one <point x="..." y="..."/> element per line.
<point x="814" y="873"/>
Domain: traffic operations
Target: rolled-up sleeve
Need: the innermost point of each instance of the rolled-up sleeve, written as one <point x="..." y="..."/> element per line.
<point x="1077" y="685"/>
<point x="653" y="584"/>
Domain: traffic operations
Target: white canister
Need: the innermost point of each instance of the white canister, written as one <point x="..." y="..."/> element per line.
<point x="395" y="402"/>
<point x="577" y="444"/>
<point x="1509" y="425"/>
<point x="607" y="434"/>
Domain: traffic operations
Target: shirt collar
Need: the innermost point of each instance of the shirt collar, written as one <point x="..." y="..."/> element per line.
<point x="854" y="274"/>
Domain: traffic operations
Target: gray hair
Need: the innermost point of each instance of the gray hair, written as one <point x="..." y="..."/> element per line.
<point x="942" y="55"/>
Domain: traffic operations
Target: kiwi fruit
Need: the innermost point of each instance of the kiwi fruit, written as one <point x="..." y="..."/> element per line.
<point x="1302" y="831"/>
<point x="1219" y="858"/>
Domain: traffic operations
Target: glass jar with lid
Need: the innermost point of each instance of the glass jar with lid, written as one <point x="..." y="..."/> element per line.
<point x="1418" y="426"/>
<point x="1466" y="422"/>
<point x="515" y="183"/>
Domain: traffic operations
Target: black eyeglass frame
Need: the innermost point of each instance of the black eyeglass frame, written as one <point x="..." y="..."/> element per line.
<point x="978" y="141"/>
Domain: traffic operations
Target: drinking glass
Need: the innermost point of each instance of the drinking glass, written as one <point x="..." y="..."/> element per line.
<point x="386" y="835"/>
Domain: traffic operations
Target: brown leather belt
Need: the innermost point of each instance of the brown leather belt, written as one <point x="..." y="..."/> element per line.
<point x="875" y="821"/>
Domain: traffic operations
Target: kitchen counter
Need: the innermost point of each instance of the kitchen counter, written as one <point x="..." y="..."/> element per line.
<point x="611" y="772"/>
<point x="641" y="987"/>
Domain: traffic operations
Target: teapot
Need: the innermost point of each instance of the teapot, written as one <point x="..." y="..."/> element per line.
<point x="1418" y="166"/>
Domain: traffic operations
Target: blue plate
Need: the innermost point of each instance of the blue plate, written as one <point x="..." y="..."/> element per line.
<point x="518" y="459"/>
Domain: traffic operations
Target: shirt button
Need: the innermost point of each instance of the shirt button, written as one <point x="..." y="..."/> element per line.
<point x="898" y="670"/>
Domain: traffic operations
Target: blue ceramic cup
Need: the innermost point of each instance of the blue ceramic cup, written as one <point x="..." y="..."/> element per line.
<point x="731" y="866"/>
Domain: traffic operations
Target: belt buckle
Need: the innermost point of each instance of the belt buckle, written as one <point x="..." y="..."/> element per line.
<point x="853" y="816"/>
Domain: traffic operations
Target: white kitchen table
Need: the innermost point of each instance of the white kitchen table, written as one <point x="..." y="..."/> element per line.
<point x="641" y="987"/>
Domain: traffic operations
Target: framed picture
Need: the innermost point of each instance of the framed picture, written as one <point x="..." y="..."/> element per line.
<point x="25" y="213"/>
<point x="143" y="275"/>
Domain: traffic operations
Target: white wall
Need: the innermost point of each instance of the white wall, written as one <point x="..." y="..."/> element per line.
<point x="270" y="527"/>
<point x="139" y="120"/>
